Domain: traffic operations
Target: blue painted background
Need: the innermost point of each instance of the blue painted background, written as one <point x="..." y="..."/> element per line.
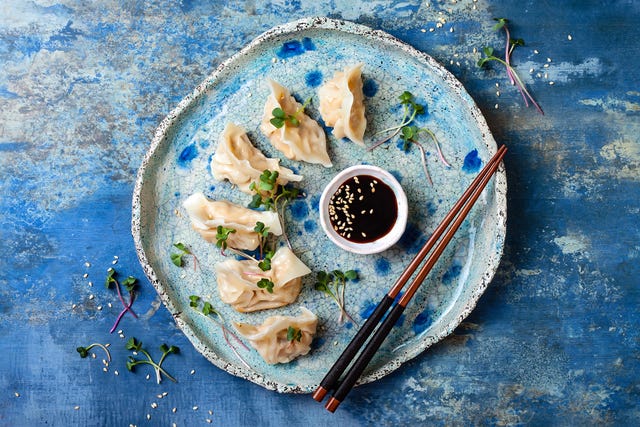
<point x="555" y="338"/>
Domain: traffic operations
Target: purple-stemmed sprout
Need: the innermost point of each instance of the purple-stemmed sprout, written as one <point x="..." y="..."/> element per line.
<point x="511" y="72"/>
<point x="211" y="313"/>
<point x="409" y="133"/>
<point x="130" y="283"/>
<point x="333" y="284"/>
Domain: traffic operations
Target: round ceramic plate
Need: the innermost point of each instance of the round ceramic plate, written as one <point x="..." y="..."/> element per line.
<point x="301" y="56"/>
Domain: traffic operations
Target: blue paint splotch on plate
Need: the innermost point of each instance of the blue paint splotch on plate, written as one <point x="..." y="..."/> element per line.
<point x="369" y="87"/>
<point x="382" y="266"/>
<point x="412" y="239"/>
<point x="421" y="322"/>
<point x="367" y="310"/>
<point x="453" y="272"/>
<point x="299" y="210"/>
<point x="189" y="153"/>
<point x="292" y="48"/>
<point x="472" y="162"/>
<point x="313" y="78"/>
<point x="310" y="226"/>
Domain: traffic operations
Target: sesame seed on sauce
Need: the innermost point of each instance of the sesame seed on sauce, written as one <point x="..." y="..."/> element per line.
<point x="353" y="217"/>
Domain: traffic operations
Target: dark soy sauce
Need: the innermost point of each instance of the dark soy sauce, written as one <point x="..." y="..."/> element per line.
<point x="363" y="209"/>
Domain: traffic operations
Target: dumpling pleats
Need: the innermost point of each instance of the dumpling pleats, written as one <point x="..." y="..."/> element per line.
<point x="270" y="338"/>
<point x="237" y="281"/>
<point x="305" y="142"/>
<point x="342" y="104"/>
<point x="238" y="161"/>
<point x="206" y="215"/>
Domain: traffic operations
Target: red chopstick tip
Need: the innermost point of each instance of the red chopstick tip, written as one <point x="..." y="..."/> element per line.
<point x="319" y="394"/>
<point x="332" y="404"/>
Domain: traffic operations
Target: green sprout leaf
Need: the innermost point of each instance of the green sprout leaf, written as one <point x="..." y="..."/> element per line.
<point x="194" y="300"/>
<point x="267" y="284"/>
<point x="294" y="334"/>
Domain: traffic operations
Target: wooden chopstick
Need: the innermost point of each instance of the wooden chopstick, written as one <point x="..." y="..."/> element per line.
<point x="462" y="207"/>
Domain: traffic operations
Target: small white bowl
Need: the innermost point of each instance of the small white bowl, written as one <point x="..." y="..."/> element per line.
<point x="382" y="243"/>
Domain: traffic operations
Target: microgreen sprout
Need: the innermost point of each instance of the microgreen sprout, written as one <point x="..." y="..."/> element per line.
<point x="409" y="133"/>
<point x="265" y="263"/>
<point x="178" y="257"/>
<point x="272" y="196"/>
<point x="267" y="284"/>
<point x="222" y="234"/>
<point x="280" y="118"/>
<point x="510" y="45"/>
<point x="130" y="284"/>
<point x="263" y="234"/>
<point x="211" y="313"/>
<point x="84" y="351"/>
<point x="333" y="284"/>
<point x="136" y="347"/>
<point x="294" y="334"/>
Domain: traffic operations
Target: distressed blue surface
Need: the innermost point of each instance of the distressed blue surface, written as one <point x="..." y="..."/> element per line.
<point x="554" y="340"/>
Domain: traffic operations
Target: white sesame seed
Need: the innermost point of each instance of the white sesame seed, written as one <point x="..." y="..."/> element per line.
<point x="536" y="51"/>
<point x="159" y="396"/>
<point x="538" y="75"/>
<point x="496" y="106"/>
<point x="99" y="307"/>
<point x="174" y="410"/>
<point x="193" y="371"/>
<point x="105" y="363"/>
<point x="164" y="394"/>
<point x="93" y="355"/>
<point x="90" y="284"/>
<point x="335" y="343"/>
<point x="431" y="30"/>
<point x="91" y="296"/>
<point x="148" y="376"/>
<point x="475" y="50"/>
<point x="109" y="305"/>
<point x="423" y="30"/>
<point x="497" y="93"/>
<point x="474" y="7"/>
<point x="86" y="264"/>
<point x="107" y="345"/>
<point x="74" y="305"/>
<point x="195" y="408"/>
<point x="116" y="257"/>
<point x="148" y="416"/>
<point x="569" y="37"/>
<point x="546" y="75"/>
<point x="210" y="412"/>
<point x="274" y="60"/>
<point x="208" y="421"/>
<point x="119" y="331"/>
<point x="105" y="369"/>
<point x="154" y="405"/>
<point x="174" y="425"/>
<point x="458" y="63"/>
<point x="551" y="83"/>
<point x="85" y="275"/>
<point x="121" y="335"/>
<point x="546" y="65"/>
<point x="114" y="262"/>
<point x="76" y="407"/>
<point x="451" y="30"/>
<point x="548" y="59"/>
<point x="116" y="373"/>
<point x="531" y="70"/>
<point x="16" y="394"/>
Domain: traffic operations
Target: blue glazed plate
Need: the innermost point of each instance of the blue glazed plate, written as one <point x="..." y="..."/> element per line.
<point x="301" y="55"/>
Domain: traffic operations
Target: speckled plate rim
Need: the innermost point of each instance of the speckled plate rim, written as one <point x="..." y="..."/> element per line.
<point x="174" y="116"/>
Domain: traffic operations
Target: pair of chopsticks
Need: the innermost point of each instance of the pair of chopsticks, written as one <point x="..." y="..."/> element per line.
<point x="446" y="230"/>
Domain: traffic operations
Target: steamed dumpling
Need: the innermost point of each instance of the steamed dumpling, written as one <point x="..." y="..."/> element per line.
<point x="237" y="281"/>
<point x="270" y="338"/>
<point x="342" y="104"/>
<point x="305" y="142"/>
<point x="206" y="215"/>
<point x="237" y="160"/>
